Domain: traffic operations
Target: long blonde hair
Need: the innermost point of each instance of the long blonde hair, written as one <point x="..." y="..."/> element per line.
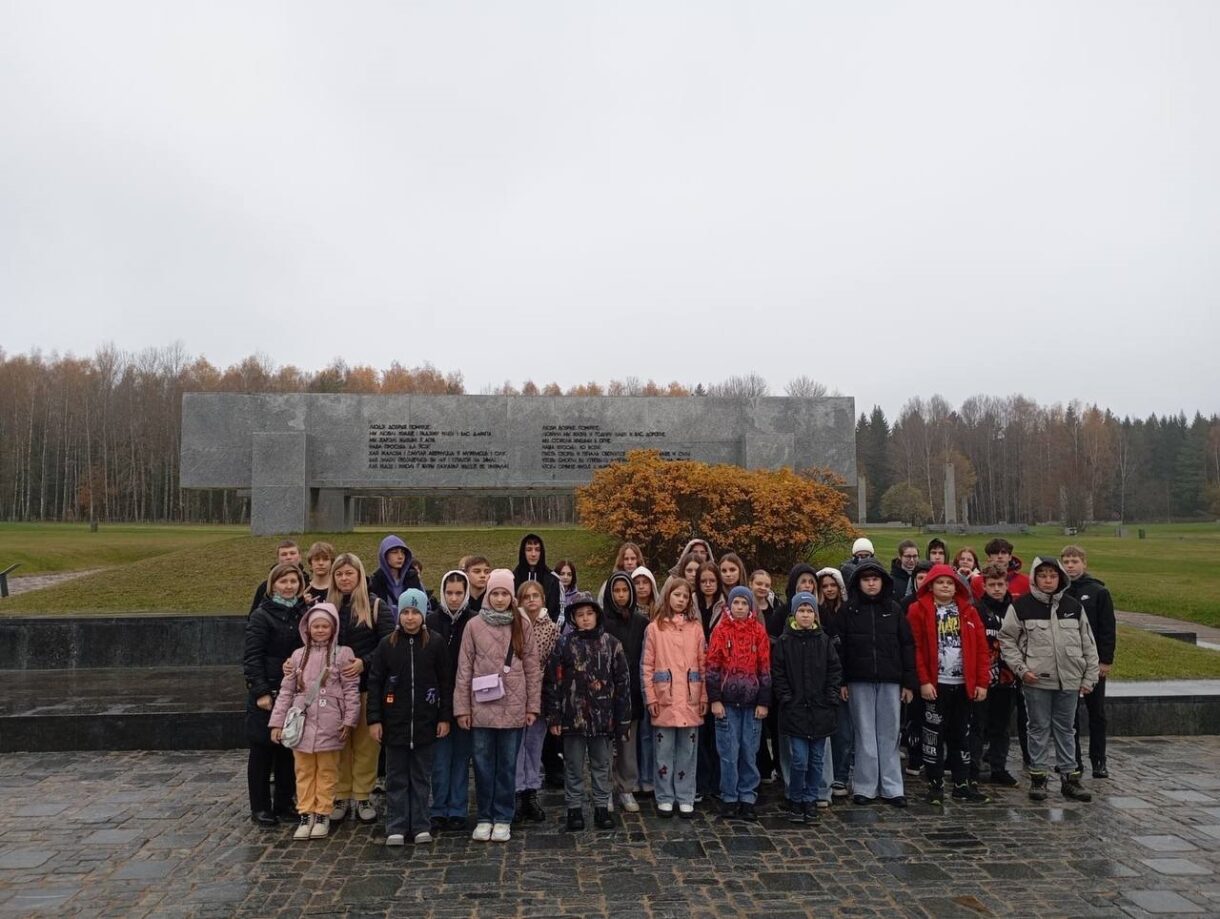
<point x="361" y="605"/>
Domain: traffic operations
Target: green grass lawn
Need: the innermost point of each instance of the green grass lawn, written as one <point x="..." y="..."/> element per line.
<point x="45" y="548"/>
<point x="215" y="569"/>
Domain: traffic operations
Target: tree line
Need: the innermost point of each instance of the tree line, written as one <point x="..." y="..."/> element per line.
<point x="97" y="439"/>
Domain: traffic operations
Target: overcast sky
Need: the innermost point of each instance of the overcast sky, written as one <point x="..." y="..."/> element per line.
<point x="894" y="198"/>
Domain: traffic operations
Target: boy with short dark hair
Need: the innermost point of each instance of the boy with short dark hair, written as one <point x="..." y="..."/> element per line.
<point x="532" y="566"/>
<point x="287" y="552"/>
<point x="1000" y="552"/>
<point x="938" y="552"/>
<point x="478" y="570"/>
<point x="991" y="717"/>
<point x="1099" y="607"/>
<point x="902" y="569"/>
<point x="1048" y="644"/>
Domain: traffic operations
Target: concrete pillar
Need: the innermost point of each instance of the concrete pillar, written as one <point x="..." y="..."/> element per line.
<point x="330" y="511"/>
<point x="950" y="494"/>
<point x="279" y="498"/>
<point x="861" y="500"/>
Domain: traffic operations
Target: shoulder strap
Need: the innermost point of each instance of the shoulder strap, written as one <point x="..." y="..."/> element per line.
<point x="317" y="685"/>
<point x="508" y="658"/>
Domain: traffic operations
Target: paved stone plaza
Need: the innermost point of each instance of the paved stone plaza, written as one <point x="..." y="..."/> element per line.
<point x="167" y="834"/>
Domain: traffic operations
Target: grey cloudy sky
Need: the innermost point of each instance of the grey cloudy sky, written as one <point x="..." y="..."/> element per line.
<point x="894" y="198"/>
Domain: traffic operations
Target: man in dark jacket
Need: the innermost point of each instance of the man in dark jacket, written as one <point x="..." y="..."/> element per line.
<point x="286" y="553"/>
<point x="1099" y="607"/>
<point x="878" y="655"/>
<point x="532" y="566"/>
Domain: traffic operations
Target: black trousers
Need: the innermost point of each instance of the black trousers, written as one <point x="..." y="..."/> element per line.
<point x="768" y="748"/>
<point x="946" y="726"/>
<point x="707" y="771"/>
<point x="552" y="756"/>
<point x="1095" y="706"/>
<point x="989" y="726"/>
<point x="265" y="760"/>
<point x="913" y="712"/>
<point x="408" y="783"/>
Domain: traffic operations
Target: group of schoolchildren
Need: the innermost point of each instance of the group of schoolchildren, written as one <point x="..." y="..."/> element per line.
<point x="699" y="688"/>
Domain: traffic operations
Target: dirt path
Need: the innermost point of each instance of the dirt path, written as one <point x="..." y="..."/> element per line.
<point x="23" y="585"/>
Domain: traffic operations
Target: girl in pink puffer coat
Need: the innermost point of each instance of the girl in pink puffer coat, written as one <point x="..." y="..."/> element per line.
<point x="329" y="718"/>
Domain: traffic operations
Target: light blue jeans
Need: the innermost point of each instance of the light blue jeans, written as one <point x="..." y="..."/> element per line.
<point x="677" y="753"/>
<point x="451" y="773"/>
<point x="875" y="709"/>
<point x="529" y="757"/>
<point x="737" y="737"/>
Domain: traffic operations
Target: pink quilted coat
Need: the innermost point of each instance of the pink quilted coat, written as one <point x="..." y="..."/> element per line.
<point x="338" y="700"/>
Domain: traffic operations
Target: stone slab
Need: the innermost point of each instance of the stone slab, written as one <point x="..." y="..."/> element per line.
<point x="64" y="643"/>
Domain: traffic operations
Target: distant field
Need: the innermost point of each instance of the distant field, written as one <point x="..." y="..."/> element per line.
<point x="45" y="548"/>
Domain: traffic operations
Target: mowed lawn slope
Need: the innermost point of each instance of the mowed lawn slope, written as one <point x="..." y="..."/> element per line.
<point x="49" y="548"/>
<point x="220" y="577"/>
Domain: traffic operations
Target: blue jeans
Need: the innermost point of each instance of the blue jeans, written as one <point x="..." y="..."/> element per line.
<point x="737" y="737"/>
<point x="875" y="711"/>
<point x="495" y="773"/>
<point x="806" y="772"/>
<point x="677" y="751"/>
<point x="451" y="773"/>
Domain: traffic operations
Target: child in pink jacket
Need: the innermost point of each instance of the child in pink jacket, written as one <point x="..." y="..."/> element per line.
<point x="329" y="718"/>
<point x="673" y="664"/>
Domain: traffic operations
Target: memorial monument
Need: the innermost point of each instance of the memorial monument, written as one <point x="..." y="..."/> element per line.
<point x="304" y="456"/>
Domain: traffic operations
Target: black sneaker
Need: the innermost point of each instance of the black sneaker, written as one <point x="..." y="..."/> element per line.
<point x="576" y="819"/>
<point x="969" y="793"/>
<point x="437" y="825"/>
<point x="896" y="801"/>
<point x="936" y="794"/>
<point x="265" y="818"/>
<point x="602" y="818"/>
<point x="1003" y="777"/>
<point x="1100" y="771"/>
<point x="810" y="812"/>
<point x="457" y="823"/>
<point x="861" y="800"/>
<point x="746" y="812"/>
<point x="796" y="812"/>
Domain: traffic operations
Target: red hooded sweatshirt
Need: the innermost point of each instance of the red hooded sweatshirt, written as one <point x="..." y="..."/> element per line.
<point x="976" y="659"/>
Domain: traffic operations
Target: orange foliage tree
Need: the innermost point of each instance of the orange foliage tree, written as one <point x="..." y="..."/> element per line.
<point x="772" y="518"/>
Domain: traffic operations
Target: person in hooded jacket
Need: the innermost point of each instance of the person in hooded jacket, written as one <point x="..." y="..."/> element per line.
<point x="698" y="548"/>
<point x="587" y="702"/>
<point x="878" y="656"/>
<point x="832" y="599"/>
<point x="902" y="569"/>
<point x="451" y="753"/>
<point x="394" y="573"/>
<point x="1047" y="643"/>
<point x="1099" y="607"/>
<point x="532" y="566"/>
<point x="953" y="665"/>
<point x="272" y="635"/>
<point x="739" y="695"/>
<point x="363" y="622"/>
<point x="410" y="707"/>
<point x="624" y="621"/>
<point x="806" y="680"/>
<point x="331" y="711"/>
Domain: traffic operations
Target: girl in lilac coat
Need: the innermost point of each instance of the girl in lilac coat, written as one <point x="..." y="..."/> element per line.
<point x="329" y="717"/>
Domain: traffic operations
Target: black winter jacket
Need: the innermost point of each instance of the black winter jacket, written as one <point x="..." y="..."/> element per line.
<point x="551" y="588"/>
<point x="630" y="634"/>
<point x="876" y="642"/>
<point x="410" y="689"/>
<point x="1098" y="605"/>
<point x="450" y="631"/>
<point x="362" y="639"/>
<point x="904" y="581"/>
<point x="805" y="677"/>
<point x="272" y="634"/>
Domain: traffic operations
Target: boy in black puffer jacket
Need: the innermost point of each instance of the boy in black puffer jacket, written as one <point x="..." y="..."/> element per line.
<point x="410" y="705"/>
<point x="1099" y="607"/>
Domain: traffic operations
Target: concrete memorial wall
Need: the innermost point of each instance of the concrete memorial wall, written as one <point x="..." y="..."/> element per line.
<point x="304" y="456"/>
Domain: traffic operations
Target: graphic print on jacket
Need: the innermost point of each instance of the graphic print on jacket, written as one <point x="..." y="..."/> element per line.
<point x="587" y="687"/>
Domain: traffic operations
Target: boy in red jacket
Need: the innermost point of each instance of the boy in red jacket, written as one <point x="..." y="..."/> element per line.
<point x="954" y="670"/>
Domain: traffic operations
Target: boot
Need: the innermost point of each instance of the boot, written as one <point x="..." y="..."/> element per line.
<point x="936" y="793"/>
<point x="1071" y="788"/>
<point x="532" y="809"/>
<point x="796" y="812"/>
<point x="809" y="812"/>
<point x="1099" y="769"/>
<point x="519" y="810"/>
<point x="602" y="819"/>
<point x="576" y="819"/>
<point x="1037" y="786"/>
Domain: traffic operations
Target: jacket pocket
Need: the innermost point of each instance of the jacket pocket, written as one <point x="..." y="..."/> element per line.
<point x="694" y="685"/>
<point x="663" y="687"/>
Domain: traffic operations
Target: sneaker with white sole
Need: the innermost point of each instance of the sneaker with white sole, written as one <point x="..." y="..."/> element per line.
<point x="321" y="827"/>
<point x="304" y="825"/>
<point x="365" y="812"/>
<point x="482" y="832"/>
<point x="685" y="810"/>
<point x="395" y="839"/>
<point x="339" y="814"/>
<point x="424" y="837"/>
<point x="838" y="790"/>
<point x="665" y="808"/>
<point x="501" y="832"/>
<point x="627" y="799"/>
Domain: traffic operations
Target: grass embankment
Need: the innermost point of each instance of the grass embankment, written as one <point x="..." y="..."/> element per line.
<point x="220" y="577"/>
<point x="49" y="548"/>
<point x="1143" y="655"/>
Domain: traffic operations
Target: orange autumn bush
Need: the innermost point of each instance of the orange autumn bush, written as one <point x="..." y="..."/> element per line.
<point x="772" y="518"/>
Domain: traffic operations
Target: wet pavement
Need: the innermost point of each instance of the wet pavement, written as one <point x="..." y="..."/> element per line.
<point x="168" y="834"/>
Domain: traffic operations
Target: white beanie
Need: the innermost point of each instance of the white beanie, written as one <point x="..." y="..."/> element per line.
<point x="862" y="544"/>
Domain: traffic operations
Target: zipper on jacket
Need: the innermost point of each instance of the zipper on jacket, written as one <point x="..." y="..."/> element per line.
<point x="412" y="655"/>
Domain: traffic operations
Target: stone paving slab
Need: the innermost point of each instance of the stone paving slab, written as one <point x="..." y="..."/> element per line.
<point x="167" y="834"/>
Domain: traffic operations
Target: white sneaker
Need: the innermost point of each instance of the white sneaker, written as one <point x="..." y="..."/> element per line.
<point x="421" y="838"/>
<point x="482" y="832"/>
<point x="501" y="833"/>
<point x="395" y="839"/>
<point x="304" y="825"/>
<point x="321" y="827"/>
<point x="627" y="799"/>
<point x="665" y="807"/>
<point x="365" y="812"/>
<point x="339" y="814"/>
<point x="686" y="808"/>
<point x="838" y="790"/>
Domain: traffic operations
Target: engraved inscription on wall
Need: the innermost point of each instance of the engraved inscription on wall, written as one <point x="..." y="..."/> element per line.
<point x="573" y="447"/>
<point x="395" y="447"/>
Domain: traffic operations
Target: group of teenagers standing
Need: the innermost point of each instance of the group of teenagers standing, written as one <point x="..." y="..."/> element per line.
<point x="693" y="688"/>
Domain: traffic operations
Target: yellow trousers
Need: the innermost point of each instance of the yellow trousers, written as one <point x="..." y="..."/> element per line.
<point x="317" y="774"/>
<point x="358" y="760"/>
